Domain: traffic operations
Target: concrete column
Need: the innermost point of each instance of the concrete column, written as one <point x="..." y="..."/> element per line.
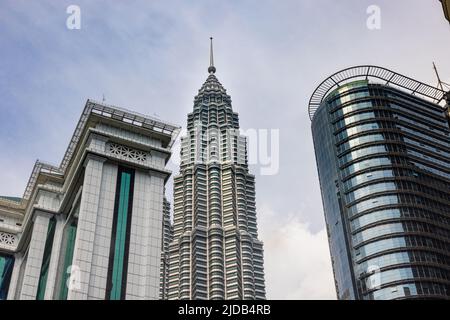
<point x="103" y="229"/>
<point x="13" y="285"/>
<point x="145" y="240"/>
<point x="54" y="259"/>
<point x="35" y="255"/>
<point x="87" y="220"/>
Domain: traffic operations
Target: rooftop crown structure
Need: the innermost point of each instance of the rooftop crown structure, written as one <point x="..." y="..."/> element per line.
<point x="91" y="227"/>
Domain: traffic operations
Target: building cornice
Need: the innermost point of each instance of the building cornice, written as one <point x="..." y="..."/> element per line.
<point x="366" y="72"/>
<point x="104" y="111"/>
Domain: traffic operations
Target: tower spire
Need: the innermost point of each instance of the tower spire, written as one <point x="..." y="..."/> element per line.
<point x="211" y="68"/>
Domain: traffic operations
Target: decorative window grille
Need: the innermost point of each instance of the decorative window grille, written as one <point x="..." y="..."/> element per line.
<point x="7" y="239"/>
<point x="127" y="152"/>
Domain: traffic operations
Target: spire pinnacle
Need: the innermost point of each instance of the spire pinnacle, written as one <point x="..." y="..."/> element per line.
<point x="211" y="68"/>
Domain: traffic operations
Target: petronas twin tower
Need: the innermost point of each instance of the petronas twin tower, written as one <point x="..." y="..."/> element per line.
<point x="214" y="252"/>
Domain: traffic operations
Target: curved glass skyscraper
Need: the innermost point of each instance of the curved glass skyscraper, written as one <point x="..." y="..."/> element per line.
<point x="382" y="144"/>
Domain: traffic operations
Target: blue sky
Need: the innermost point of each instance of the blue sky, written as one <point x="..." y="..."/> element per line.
<point x="152" y="57"/>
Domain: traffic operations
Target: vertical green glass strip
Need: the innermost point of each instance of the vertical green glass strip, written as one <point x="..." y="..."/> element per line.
<point x="70" y="245"/>
<point x="120" y="237"/>
<point x="6" y="266"/>
<point x="2" y="268"/>
<point x="46" y="259"/>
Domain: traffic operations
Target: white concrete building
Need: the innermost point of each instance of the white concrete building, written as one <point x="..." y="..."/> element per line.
<point x="91" y="228"/>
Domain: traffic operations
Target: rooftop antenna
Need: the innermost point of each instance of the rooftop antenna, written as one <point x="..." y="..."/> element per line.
<point x="211" y="68"/>
<point x="441" y="84"/>
<point x="103" y="97"/>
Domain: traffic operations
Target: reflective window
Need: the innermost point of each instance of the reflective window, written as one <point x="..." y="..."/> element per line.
<point x="361" y="153"/>
<point x="422" y="125"/>
<point x="6" y="268"/>
<point x="353" y="96"/>
<point x="380" y="278"/>
<point x="364" y="164"/>
<point x="361" y="140"/>
<point x="384" y="261"/>
<point x="419" y="114"/>
<point x="415" y="103"/>
<point x="424" y="136"/>
<point x="384" y="277"/>
<point x="350" y="108"/>
<point x="355" y="118"/>
<point x="373" y="203"/>
<point x="358" y="129"/>
<point x="395" y="258"/>
<point x="407" y="226"/>
<point x="394" y="292"/>
<point x="409" y="289"/>
<point x="426" y="146"/>
<point x="431" y="169"/>
<point x="377" y="231"/>
<point x="348" y="93"/>
<point x="367" y="176"/>
<point x="375" y="217"/>
<point x="399" y="242"/>
<point x="428" y="158"/>
<point x="370" y="189"/>
<point x="380" y="245"/>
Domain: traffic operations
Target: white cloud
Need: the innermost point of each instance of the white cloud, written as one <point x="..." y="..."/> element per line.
<point x="297" y="261"/>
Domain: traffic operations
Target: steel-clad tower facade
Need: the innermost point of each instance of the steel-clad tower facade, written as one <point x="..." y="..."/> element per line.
<point x="215" y="252"/>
